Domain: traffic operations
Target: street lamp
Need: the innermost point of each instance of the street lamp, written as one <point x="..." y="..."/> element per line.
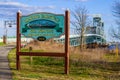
<point x="9" y="23"/>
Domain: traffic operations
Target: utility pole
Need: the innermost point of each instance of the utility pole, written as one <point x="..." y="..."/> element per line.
<point x="9" y="23"/>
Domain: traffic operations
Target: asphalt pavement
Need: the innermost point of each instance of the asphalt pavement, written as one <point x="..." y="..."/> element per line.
<point x="5" y="72"/>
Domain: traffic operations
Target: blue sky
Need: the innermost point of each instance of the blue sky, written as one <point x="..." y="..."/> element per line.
<point x="8" y="9"/>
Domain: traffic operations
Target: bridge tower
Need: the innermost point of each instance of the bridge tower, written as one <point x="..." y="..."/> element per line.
<point x="98" y="24"/>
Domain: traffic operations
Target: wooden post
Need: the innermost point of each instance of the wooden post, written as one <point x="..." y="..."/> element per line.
<point x="117" y="50"/>
<point x="31" y="58"/>
<point x="18" y="41"/>
<point x="4" y="39"/>
<point x="67" y="24"/>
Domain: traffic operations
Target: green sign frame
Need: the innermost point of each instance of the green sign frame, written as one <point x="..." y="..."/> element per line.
<point x="42" y="26"/>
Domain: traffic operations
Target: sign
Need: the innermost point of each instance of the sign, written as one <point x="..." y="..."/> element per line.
<point x="42" y="26"/>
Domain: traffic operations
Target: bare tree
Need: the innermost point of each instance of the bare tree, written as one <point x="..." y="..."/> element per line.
<point x="116" y="14"/>
<point x="80" y="21"/>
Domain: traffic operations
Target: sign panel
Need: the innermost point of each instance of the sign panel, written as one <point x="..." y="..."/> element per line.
<point x="42" y="26"/>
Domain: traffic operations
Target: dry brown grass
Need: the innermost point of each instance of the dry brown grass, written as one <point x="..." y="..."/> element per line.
<point x="75" y="53"/>
<point x="88" y="55"/>
<point x="47" y="46"/>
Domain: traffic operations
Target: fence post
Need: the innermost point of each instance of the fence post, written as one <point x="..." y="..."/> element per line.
<point x="31" y="58"/>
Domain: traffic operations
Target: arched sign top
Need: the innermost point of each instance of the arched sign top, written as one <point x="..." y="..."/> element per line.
<point x="42" y="25"/>
<point x="43" y="15"/>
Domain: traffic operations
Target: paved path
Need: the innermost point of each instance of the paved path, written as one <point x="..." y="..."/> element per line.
<point x="5" y="72"/>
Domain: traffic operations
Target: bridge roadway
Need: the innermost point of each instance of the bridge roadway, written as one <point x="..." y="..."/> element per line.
<point x="5" y="72"/>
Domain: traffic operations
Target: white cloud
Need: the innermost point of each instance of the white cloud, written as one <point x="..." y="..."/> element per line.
<point x="5" y="0"/>
<point x="63" y="9"/>
<point x="51" y="6"/>
<point x="9" y="9"/>
<point x="82" y="0"/>
<point x="13" y="4"/>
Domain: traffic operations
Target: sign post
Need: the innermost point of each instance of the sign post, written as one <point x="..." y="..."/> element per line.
<point x="41" y="27"/>
<point x="67" y="24"/>
<point x="18" y="42"/>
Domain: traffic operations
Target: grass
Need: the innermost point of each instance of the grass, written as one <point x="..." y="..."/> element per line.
<point x="82" y="67"/>
<point x="2" y="44"/>
<point x="90" y="64"/>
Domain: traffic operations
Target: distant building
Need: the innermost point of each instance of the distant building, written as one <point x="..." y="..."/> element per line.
<point x="93" y="34"/>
